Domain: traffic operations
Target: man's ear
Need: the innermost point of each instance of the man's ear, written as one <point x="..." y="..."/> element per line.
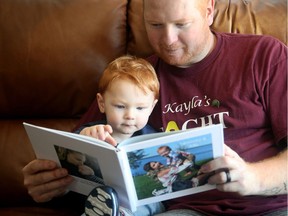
<point x="101" y="105"/>
<point x="210" y="12"/>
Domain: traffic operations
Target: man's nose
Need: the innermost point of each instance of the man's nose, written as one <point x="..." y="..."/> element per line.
<point x="170" y="35"/>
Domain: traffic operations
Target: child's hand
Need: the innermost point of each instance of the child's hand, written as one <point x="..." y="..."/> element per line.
<point x="101" y="132"/>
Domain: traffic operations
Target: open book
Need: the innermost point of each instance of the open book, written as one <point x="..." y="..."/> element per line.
<point x="128" y="168"/>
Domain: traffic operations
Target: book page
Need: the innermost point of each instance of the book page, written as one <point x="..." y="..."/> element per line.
<point x="91" y="164"/>
<point x="145" y="137"/>
<point x="193" y="147"/>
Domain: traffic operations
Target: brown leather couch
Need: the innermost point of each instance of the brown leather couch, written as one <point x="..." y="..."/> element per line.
<point x="51" y="56"/>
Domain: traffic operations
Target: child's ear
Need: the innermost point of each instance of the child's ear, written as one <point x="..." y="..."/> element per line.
<point x="100" y="101"/>
<point x="153" y="105"/>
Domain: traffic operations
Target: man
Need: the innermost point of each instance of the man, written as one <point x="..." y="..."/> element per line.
<point x="209" y="78"/>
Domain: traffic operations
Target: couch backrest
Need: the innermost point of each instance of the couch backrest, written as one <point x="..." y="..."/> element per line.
<point x="53" y="52"/>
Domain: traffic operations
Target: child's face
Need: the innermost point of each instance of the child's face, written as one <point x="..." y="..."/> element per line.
<point x="76" y="158"/>
<point x="126" y="106"/>
<point x="164" y="152"/>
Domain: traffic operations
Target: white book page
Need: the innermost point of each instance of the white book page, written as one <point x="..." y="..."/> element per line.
<point x="104" y="161"/>
<point x="145" y="137"/>
<point x="205" y="143"/>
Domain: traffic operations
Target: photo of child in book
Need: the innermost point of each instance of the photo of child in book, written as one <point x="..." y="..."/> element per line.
<point x="169" y="176"/>
<point x="180" y="171"/>
<point x="77" y="164"/>
<point x="178" y="158"/>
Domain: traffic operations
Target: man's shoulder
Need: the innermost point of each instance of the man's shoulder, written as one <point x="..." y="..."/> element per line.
<point x="260" y="45"/>
<point x="253" y="38"/>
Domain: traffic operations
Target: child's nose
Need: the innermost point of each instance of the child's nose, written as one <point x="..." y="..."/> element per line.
<point x="130" y="114"/>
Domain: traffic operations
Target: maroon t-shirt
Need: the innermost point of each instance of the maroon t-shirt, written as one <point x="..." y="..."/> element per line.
<point x="241" y="84"/>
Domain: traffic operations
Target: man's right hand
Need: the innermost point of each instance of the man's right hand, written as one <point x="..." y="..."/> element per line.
<point x="44" y="180"/>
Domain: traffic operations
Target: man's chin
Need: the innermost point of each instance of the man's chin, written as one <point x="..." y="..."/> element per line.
<point x="173" y="60"/>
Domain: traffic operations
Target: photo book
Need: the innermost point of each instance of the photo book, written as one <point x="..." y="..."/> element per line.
<point x="143" y="169"/>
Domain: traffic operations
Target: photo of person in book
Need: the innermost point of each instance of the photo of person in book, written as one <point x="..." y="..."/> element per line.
<point x="169" y="177"/>
<point x="76" y="164"/>
<point x="178" y="158"/>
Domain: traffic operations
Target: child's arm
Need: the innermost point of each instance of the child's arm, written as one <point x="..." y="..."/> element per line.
<point x="101" y="132"/>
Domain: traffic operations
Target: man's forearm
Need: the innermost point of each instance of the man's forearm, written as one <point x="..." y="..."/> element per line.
<point x="271" y="175"/>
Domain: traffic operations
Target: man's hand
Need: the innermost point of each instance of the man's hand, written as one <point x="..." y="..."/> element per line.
<point x="267" y="177"/>
<point x="44" y="180"/>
